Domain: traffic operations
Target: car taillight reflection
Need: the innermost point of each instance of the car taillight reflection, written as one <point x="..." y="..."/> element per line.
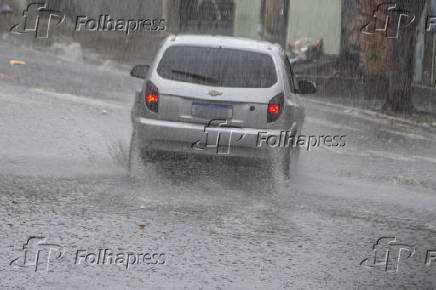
<point x="275" y="107"/>
<point x="152" y="97"/>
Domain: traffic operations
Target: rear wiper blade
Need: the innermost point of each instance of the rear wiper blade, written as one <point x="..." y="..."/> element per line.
<point x="195" y="76"/>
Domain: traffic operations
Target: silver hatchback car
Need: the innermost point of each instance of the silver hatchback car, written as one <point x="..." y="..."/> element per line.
<point x="216" y="95"/>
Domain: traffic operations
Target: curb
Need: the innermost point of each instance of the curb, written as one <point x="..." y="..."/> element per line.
<point x="371" y="114"/>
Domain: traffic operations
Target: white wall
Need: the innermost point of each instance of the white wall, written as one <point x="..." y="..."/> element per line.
<point x="316" y="18"/>
<point x="247" y="18"/>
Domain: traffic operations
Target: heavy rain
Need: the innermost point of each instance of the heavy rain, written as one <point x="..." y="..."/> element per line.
<point x="218" y="144"/>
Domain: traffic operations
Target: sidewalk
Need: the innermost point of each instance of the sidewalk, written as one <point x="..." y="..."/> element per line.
<point x="369" y="114"/>
<point x="338" y="88"/>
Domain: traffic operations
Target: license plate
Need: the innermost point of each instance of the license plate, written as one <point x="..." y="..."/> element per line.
<point x="212" y="111"/>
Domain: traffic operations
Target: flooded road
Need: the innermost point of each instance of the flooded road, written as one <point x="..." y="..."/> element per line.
<point x="64" y="139"/>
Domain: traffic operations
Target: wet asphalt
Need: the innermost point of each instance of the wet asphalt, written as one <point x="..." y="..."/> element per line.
<point x="64" y="140"/>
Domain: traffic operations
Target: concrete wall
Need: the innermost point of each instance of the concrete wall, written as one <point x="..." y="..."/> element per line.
<point x="118" y="9"/>
<point x="247" y="18"/>
<point x="316" y="18"/>
<point x="424" y="67"/>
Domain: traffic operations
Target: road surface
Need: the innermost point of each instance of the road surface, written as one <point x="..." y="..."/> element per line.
<point x="64" y="138"/>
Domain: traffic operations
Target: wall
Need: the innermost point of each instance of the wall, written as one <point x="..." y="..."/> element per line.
<point x="425" y="70"/>
<point x="247" y="18"/>
<point x="120" y="9"/>
<point x="316" y="18"/>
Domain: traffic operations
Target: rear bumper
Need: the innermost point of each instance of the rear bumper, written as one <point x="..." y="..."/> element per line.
<point x="200" y="139"/>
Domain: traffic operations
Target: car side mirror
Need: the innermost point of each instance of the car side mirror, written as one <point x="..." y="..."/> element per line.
<point x="306" y="87"/>
<point x="140" y="71"/>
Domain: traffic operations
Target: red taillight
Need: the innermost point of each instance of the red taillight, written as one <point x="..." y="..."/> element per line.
<point x="151" y="97"/>
<point x="275" y="107"/>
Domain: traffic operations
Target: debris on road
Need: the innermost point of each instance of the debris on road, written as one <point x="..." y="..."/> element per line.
<point x="14" y="62"/>
<point x="6" y="77"/>
<point x="306" y="49"/>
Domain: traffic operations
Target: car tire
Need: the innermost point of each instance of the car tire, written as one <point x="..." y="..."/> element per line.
<point x="284" y="163"/>
<point x="139" y="161"/>
<point x="278" y="163"/>
<point x="294" y="159"/>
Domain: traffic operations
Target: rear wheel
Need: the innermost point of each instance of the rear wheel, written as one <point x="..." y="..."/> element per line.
<point x="284" y="163"/>
<point x="139" y="161"/>
<point x="295" y="157"/>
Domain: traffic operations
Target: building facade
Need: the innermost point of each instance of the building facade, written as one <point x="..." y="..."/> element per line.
<point x="425" y="65"/>
<point x="316" y="19"/>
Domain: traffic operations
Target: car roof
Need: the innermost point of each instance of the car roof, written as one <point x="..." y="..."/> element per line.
<point x="224" y="41"/>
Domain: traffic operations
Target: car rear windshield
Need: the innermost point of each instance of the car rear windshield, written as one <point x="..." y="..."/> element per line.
<point x="220" y="67"/>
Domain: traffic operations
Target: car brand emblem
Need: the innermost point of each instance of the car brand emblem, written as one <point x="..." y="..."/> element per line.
<point x="214" y="93"/>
